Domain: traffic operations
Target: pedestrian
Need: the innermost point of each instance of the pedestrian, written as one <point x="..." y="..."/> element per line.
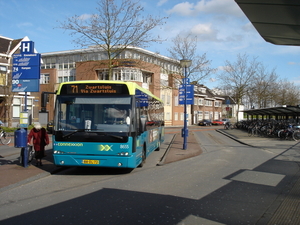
<point x="39" y="138"/>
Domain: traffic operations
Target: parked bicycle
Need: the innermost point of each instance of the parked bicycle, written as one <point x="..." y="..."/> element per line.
<point x="228" y="126"/>
<point x="5" y="137"/>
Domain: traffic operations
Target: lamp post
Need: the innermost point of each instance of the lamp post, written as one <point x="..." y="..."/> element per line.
<point x="185" y="63"/>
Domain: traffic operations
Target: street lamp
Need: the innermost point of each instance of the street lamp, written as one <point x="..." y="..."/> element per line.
<point x="185" y="63"/>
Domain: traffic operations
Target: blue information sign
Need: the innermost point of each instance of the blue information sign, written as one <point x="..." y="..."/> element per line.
<point x="189" y="94"/>
<point x="26" y="72"/>
<point x="27" y="59"/>
<point x="26" y="66"/>
<point x="26" y="69"/>
<point x="28" y="85"/>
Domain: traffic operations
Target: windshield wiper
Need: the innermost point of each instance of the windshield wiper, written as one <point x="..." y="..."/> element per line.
<point x="111" y="135"/>
<point x="84" y="130"/>
<point x="74" y="132"/>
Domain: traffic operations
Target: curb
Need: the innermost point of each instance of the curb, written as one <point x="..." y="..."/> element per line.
<point x="163" y="158"/>
<point x="230" y="136"/>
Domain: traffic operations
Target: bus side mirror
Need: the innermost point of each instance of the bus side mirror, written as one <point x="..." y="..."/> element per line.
<point x="44" y="99"/>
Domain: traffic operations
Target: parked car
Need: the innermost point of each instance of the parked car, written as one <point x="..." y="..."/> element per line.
<point x="50" y="127"/>
<point x="217" y="122"/>
<point x="225" y="121"/>
<point x="205" y="123"/>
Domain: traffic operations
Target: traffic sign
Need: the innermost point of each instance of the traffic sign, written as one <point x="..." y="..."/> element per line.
<point x="26" y="69"/>
<point x="28" y="85"/>
<point x="26" y="59"/>
<point x="26" y="66"/>
<point x="189" y="94"/>
<point x="27" y="47"/>
<point x="26" y="72"/>
<point x="185" y="80"/>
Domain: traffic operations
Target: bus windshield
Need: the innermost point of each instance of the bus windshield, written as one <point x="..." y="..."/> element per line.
<point x="93" y="114"/>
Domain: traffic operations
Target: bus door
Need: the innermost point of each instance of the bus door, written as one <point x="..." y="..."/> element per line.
<point x="140" y="124"/>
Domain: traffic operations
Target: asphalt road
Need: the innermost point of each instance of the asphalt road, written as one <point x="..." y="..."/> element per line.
<point x="226" y="184"/>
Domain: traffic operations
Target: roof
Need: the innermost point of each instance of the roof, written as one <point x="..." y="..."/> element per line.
<point x="277" y="21"/>
<point x="275" y="111"/>
<point x="4" y="45"/>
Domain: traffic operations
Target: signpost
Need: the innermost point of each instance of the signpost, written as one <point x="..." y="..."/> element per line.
<point x="25" y="78"/>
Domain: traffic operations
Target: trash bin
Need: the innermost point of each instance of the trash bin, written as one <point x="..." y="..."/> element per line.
<point x="21" y="142"/>
<point x="20" y="138"/>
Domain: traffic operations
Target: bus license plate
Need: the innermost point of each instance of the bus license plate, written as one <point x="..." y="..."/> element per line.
<point x="87" y="161"/>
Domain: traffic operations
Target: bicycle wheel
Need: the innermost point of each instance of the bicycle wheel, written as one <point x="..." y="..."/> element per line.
<point x="30" y="153"/>
<point x="250" y="133"/>
<point x="5" y="138"/>
<point x="296" y="135"/>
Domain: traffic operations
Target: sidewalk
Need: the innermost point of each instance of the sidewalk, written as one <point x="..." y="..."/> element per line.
<point x="14" y="174"/>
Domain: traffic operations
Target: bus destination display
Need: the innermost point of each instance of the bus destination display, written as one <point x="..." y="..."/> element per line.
<point x="91" y="89"/>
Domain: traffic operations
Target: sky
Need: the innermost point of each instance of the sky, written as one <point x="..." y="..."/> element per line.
<point x="222" y="30"/>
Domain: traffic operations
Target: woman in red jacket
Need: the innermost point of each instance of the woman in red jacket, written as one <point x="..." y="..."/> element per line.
<point x="39" y="137"/>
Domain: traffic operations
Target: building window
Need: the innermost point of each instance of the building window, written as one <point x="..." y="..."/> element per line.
<point x="168" y="116"/>
<point x="122" y="74"/>
<point x="216" y="116"/>
<point x="103" y="75"/>
<point x="217" y="104"/>
<point x="181" y="116"/>
<point x="163" y="98"/>
<point x="200" y="101"/>
<point x="168" y="100"/>
<point x="176" y="100"/>
<point x="200" y="115"/>
<point x="45" y="78"/>
<point x="208" y="103"/>
<point x="176" y="116"/>
<point x="206" y="115"/>
<point x="16" y="107"/>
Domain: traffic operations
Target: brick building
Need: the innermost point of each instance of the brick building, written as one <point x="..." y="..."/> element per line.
<point x="158" y="73"/>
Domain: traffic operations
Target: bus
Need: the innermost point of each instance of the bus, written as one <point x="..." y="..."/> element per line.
<point x="106" y="124"/>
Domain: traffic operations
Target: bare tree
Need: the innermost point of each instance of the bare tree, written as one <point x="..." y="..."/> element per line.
<point x="186" y="48"/>
<point x="238" y="76"/>
<point x="286" y="93"/>
<point x="262" y="87"/>
<point x="6" y="101"/>
<point x="114" y="27"/>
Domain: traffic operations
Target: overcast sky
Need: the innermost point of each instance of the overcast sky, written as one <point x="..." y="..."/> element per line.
<point x="222" y="30"/>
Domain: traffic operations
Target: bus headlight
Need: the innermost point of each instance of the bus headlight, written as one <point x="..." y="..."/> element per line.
<point x="58" y="152"/>
<point x="123" y="153"/>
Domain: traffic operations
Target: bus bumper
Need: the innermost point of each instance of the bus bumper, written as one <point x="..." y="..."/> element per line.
<point x="96" y="161"/>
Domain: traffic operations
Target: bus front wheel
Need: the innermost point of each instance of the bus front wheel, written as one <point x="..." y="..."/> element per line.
<point x="143" y="157"/>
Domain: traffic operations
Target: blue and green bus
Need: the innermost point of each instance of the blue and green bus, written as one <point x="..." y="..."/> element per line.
<point x="106" y="124"/>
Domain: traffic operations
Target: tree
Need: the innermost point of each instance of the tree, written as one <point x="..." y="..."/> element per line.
<point x="6" y="100"/>
<point x="286" y="93"/>
<point x="238" y="76"/>
<point x="114" y="27"/>
<point x="186" y="48"/>
<point x="262" y="87"/>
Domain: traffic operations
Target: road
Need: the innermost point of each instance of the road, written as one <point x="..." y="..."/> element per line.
<point x="208" y="189"/>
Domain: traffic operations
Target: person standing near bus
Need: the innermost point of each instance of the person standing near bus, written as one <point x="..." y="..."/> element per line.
<point x="39" y="138"/>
